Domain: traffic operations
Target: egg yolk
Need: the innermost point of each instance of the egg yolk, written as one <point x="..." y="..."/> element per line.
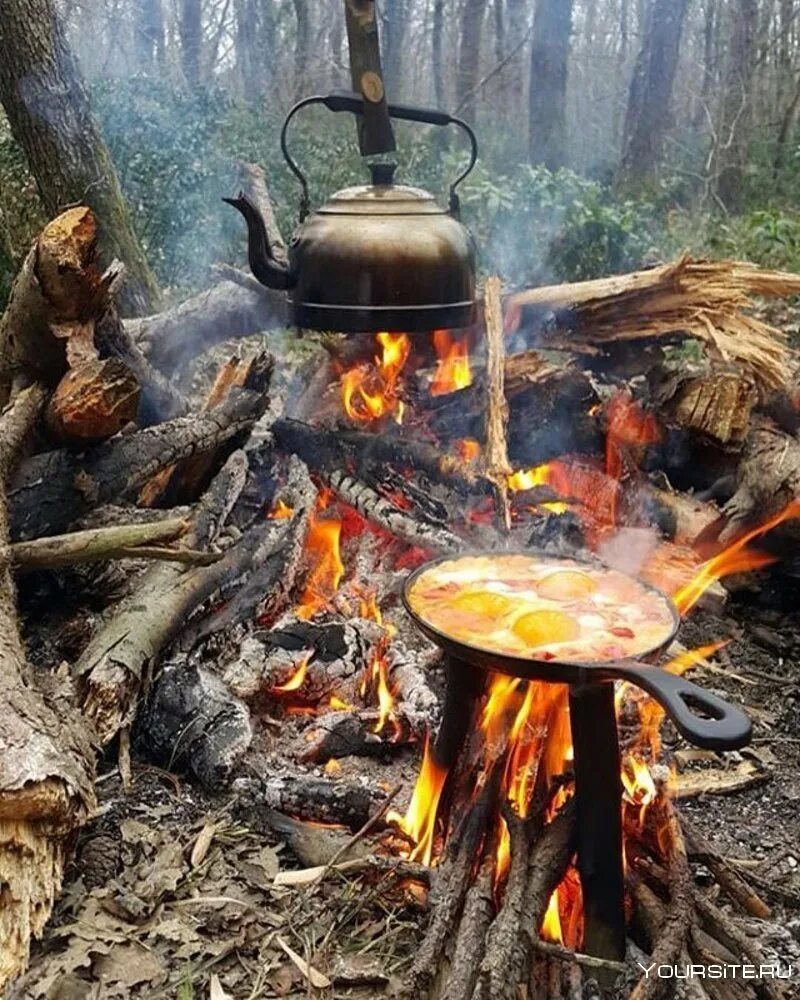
<point x="539" y="627"/>
<point x="566" y="585"/>
<point x="484" y="602"/>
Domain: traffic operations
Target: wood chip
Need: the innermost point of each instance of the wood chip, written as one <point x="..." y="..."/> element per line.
<point x="202" y="844"/>
<point x="314" y="976"/>
<point x="744" y="775"/>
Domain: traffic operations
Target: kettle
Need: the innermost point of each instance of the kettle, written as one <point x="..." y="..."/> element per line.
<point x="381" y="256"/>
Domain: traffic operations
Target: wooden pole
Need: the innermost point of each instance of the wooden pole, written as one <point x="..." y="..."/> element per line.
<point x="375" y="135"/>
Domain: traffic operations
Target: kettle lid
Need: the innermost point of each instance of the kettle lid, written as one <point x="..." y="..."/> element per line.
<point x="381" y="199"/>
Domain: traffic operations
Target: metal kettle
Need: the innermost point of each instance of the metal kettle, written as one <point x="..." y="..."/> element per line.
<point x="377" y="257"/>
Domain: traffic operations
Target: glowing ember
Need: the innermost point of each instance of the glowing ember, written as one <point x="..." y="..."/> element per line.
<point x="326" y="567"/>
<point x="453" y="370"/>
<point x="370" y="391"/>
<point x="297" y="679"/>
<point x="629" y="427"/>
<point x="468" y="449"/>
<point x="737" y="558"/>
<point x="419" y="822"/>
<point x="338" y="705"/>
<point x="280" y="512"/>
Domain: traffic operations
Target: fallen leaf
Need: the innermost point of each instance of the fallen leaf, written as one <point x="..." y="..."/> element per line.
<point x="202" y="844"/>
<point x="314" y="976"/>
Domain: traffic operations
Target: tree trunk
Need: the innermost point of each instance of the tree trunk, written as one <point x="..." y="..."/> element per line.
<point x="190" y="31"/>
<point x="648" y="116"/>
<point x="148" y="34"/>
<point x="736" y="112"/>
<point x="48" y="109"/>
<point x="469" y="57"/>
<point x="437" y="37"/>
<point x="519" y="21"/>
<point x="552" y="27"/>
<point x="301" y="47"/>
<point x="394" y="43"/>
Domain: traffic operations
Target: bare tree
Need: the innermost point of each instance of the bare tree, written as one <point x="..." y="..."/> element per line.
<point x="469" y="56"/>
<point x="648" y="116"/>
<point x="45" y="99"/>
<point x="190" y="31"/>
<point x="437" y="35"/>
<point x="148" y="32"/>
<point x="552" y="27"/>
<point x="395" y="32"/>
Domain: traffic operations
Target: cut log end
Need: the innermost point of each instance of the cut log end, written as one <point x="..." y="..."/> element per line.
<point x="92" y="402"/>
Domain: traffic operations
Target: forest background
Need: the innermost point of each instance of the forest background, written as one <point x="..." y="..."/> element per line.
<point x="613" y="133"/>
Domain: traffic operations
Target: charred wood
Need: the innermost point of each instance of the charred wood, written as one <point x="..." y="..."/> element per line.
<point x="50" y="491"/>
<point x="307" y="797"/>
<point x="343" y="734"/>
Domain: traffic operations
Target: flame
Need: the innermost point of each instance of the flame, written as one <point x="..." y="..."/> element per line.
<point x="468" y="449"/>
<point x="453" y="370"/>
<point x="370" y="391"/>
<point x="419" y="822"/>
<point x="551" y="924"/>
<point x="639" y="787"/>
<point x="297" y="679"/>
<point x="332" y="766"/>
<point x="629" y="428"/>
<point x="339" y="705"/>
<point x="736" y="558"/>
<point x="596" y="493"/>
<point x="327" y="569"/>
<point x="541" y="475"/>
<point x="280" y="512"/>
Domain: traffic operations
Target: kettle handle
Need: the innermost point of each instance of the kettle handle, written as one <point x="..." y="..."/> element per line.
<point x="345" y="100"/>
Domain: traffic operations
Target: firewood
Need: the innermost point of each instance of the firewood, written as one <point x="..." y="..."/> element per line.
<point x="160" y="399"/>
<point x="342" y="734"/>
<point x="111" y="671"/>
<point x="51" y="490"/>
<point x="715" y="404"/>
<point x="56" y="298"/>
<point x="470" y="943"/>
<point x="707" y="300"/>
<point x="92" y="402"/>
<point x="306" y="796"/>
<point x="192" y="720"/>
<point x="46" y="757"/>
<point x="731" y="881"/>
<point x="173" y="338"/>
<point x="253" y="181"/>
<point x="495" y="453"/>
<point x="411" y="669"/>
<point x="93" y="544"/>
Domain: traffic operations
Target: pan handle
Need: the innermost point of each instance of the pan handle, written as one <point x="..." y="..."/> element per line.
<point x="726" y="728"/>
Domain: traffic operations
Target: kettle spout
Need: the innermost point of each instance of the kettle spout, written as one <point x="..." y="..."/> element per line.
<point x="266" y="269"/>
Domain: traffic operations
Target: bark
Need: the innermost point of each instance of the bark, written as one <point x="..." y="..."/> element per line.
<point x="732" y="127"/>
<point x="148" y="34"/>
<point x="395" y="32"/>
<point x="552" y="27"/>
<point x="648" y="118"/>
<point x="306" y="796"/>
<point x="55" y="300"/>
<point x="469" y="57"/>
<point x="190" y="32"/>
<point x="173" y="338"/>
<point x="46" y="758"/>
<point x="48" y="109"/>
<point x="51" y="490"/>
<point x="112" y="670"/>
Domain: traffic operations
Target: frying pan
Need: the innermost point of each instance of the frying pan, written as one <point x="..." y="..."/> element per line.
<point x="720" y="726"/>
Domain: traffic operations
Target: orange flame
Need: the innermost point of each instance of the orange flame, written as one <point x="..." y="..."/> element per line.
<point x="453" y="370"/>
<point x="551" y="924"/>
<point x="419" y="822"/>
<point x="297" y="679"/>
<point x="370" y="391"/>
<point x="467" y="449"/>
<point x="541" y="475"/>
<point x="327" y="569"/>
<point x="639" y="787"/>
<point x="737" y="558"/>
<point x="280" y="512"/>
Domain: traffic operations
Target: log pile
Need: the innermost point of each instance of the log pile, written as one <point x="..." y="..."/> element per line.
<point x="239" y="648"/>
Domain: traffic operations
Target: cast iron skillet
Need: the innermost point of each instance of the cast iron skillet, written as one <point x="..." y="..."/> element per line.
<point x="724" y="727"/>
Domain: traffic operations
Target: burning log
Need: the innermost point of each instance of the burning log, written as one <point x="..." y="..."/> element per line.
<point x="111" y="670"/>
<point x="92" y="402"/>
<point x="343" y="734"/>
<point x="46" y="758"/>
<point x="707" y="300"/>
<point x="56" y="298"/>
<point x="386" y="515"/>
<point x="50" y="491"/>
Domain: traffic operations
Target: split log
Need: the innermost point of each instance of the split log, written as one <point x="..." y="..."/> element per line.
<point x="193" y="720"/>
<point x="55" y="300"/>
<point x="111" y="671"/>
<point x="50" y="491"/>
<point x="173" y="338"/>
<point x="495" y="453"/>
<point x="94" y="544"/>
<point x="46" y="757"/>
<point x="707" y="300"/>
<point x="92" y="402"/>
